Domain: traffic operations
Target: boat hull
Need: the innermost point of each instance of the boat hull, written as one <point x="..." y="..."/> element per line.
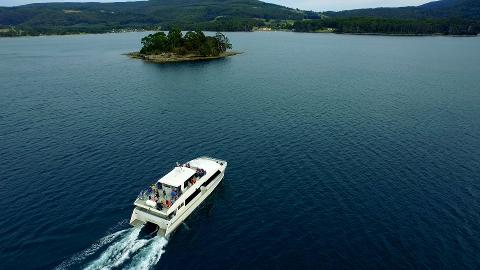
<point x="142" y="215"/>
<point x="189" y="209"/>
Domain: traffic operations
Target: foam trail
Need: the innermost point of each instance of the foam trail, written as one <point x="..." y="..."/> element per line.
<point x="129" y="251"/>
<point x="119" y="249"/>
<point x="119" y="252"/>
<point x="89" y="251"/>
<point x="149" y="255"/>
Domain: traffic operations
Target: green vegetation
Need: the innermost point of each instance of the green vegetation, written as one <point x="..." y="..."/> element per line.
<point x="192" y="43"/>
<point x="210" y="15"/>
<point x="390" y="26"/>
<point x="445" y="9"/>
<point x="447" y="17"/>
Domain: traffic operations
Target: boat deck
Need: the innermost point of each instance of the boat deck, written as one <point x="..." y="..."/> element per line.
<point x="142" y="203"/>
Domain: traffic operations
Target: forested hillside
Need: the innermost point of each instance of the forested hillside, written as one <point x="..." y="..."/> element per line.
<point x="372" y="25"/>
<point x="445" y="9"/>
<point x="446" y="17"/>
<point x="225" y="15"/>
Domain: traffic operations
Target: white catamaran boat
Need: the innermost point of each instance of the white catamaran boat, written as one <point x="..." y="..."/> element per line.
<point x="169" y="201"/>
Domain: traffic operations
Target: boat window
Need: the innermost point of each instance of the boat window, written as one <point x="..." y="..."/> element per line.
<point x="192" y="196"/>
<point x="190" y="182"/>
<point x="211" y="179"/>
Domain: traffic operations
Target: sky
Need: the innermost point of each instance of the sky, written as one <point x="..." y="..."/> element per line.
<point x="316" y="5"/>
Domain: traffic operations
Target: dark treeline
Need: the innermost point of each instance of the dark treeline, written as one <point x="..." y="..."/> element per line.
<point x="72" y="18"/>
<point x="443" y="9"/>
<point x="448" y="17"/>
<point x="337" y="25"/>
<point x="390" y="26"/>
<point x="221" y="24"/>
<point x="193" y="42"/>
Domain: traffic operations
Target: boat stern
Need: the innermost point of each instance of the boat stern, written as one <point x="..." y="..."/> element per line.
<point x="141" y="217"/>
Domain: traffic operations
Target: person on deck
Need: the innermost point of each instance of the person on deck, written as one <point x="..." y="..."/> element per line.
<point x="164" y="203"/>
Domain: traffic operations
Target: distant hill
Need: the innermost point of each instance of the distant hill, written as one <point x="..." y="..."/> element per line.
<point x="449" y="17"/>
<point x="445" y="9"/>
<point x="233" y="15"/>
<point x="446" y="17"/>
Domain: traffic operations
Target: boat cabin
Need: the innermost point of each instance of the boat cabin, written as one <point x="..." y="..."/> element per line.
<point x="168" y="190"/>
<point x="169" y="200"/>
<point x="179" y="187"/>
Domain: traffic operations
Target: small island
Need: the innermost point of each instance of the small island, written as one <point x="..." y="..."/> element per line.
<point x="176" y="47"/>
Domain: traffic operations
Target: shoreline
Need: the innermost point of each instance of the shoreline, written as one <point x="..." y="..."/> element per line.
<point x="405" y="35"/>
<point x="254" y="31"/>
<point x="174" y="58"/>
<point x="388" y="35"/>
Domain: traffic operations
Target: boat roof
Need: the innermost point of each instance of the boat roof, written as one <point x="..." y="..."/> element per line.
<point x="208" y="165"/>
<point x="181" y="174"/>
<point x="177" y="176"/>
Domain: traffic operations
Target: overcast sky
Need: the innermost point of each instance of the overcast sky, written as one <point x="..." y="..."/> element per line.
<point x="317" y="5"/>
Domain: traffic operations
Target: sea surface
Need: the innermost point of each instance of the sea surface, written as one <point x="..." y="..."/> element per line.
<point x="344" y="152"/>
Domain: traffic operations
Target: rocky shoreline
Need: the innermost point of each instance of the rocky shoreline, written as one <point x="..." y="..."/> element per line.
<point x="175" y="58"/>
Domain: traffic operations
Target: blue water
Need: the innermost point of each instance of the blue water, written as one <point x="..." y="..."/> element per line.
<point x="345" y="152"/>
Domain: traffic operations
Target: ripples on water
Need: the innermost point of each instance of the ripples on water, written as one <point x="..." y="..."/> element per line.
<point x="344" y="152"/>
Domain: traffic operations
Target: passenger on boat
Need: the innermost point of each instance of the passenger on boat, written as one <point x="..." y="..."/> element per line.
<point x="200" y="172"/>
<point x="174" y="195"/>
<point x="143" y="194"/>
<point x="164" y="203"/>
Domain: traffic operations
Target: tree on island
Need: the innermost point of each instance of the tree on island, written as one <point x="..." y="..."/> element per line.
<point x="194" y="43"/>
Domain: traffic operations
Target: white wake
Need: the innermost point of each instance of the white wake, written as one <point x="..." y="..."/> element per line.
<point x="150" y="255"/>
<point x="81" y="256"/>
<point x="121" y="249"/>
